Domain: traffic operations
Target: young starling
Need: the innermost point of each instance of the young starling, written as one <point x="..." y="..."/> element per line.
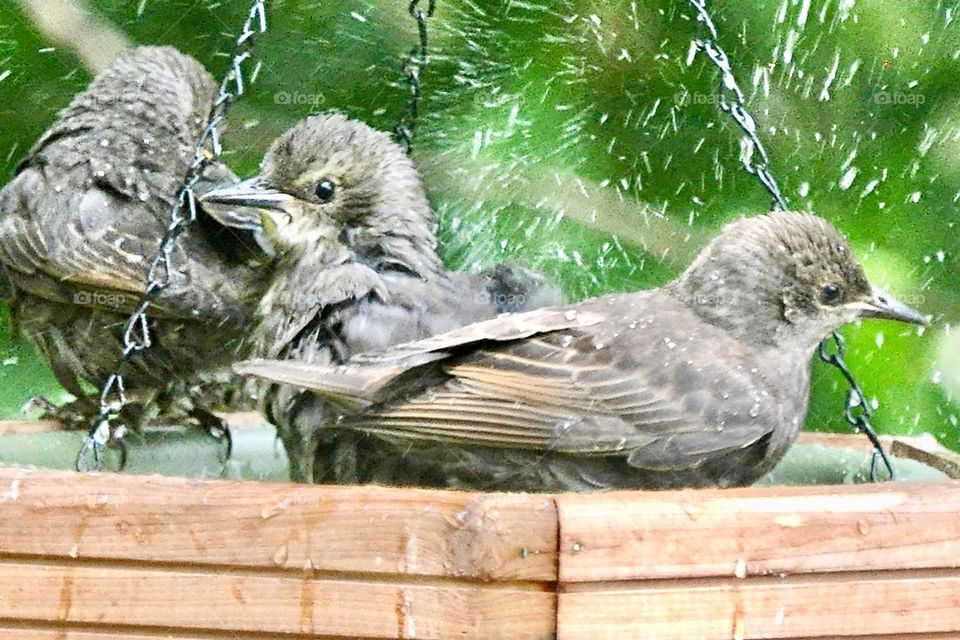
<point x="703" y="382"/>
<point x="342" y="208"/>
<point x="84" y="215"/>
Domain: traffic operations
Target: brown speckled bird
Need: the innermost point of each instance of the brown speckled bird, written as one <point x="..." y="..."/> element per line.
<point x="703" y="382"/>
<point x="84" y="215"/>
<point x="342" y="208"/>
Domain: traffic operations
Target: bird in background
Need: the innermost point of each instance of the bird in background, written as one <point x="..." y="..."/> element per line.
<point x="703" y="382"/>
<point x="83" y="217"/>
<point x="341" y="208"/>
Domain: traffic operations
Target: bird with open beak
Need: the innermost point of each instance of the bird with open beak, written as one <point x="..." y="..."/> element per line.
<point x="342" y="209"/>
<point x="82" y="219"/>
<point x="703" y="382"/>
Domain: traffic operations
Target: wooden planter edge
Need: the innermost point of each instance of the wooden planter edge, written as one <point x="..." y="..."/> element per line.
<point x="114" y="554"/>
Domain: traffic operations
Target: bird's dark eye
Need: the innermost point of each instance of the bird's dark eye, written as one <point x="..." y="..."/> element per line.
<point x="831" y="293"/>
<point x="324" y="190"/>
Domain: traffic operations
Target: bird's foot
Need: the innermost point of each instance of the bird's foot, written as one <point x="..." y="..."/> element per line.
<point x="216" y="427"/>
<point x="75" y="415"/>
<point x="104" y="446"/>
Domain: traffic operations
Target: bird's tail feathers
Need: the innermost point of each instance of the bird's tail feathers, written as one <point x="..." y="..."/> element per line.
<point x="348" y="386"/>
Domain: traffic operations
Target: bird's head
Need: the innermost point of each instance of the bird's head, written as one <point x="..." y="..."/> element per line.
<point x="331" y="178"/>
<point x="782" y="279"/>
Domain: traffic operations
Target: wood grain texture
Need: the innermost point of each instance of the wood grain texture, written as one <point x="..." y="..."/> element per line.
<point x="770" y="530"/>
<point x="272" y="603"/>
<point x="59" y="633"/>
<point x="104" y="557"/>
<point x="152" y="519"/>
<point x="763" y="608"/>
<point x="40" y="631"/>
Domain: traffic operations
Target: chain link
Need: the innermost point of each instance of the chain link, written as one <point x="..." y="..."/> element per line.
<point x="136" y="330"/>
<point x="857" y="410"/>
<point x="413" y="67"/>
<point x="733" y="102"/>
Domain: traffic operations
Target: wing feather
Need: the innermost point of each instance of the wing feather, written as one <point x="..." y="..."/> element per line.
<point x="514" y="395"/>
<point x="505" y="328"/>
<point x="544" y="384"/>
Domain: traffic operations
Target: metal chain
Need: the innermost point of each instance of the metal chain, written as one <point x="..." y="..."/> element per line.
<point x="136" y="331"/>
<point x="413" y="66"/>
<point x="737" y="108"/>
<point x="857" y="410"/>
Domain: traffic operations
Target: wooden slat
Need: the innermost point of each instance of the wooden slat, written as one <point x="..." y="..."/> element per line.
<point x="18" y="633"/>
<point x="634" y="535"/>
<point x="35" y="631"/>
<point x="273" y="603"/>
<point x="102" y="557"/>
<point x="827" y="607"/>
<point x="249" y="524"/>
<point x="948" y="635"/>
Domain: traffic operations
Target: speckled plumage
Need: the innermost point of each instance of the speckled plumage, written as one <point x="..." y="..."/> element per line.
<point x="703" y="382"/>
<point x="84" y="215"/>
<point x="359" y="271"/>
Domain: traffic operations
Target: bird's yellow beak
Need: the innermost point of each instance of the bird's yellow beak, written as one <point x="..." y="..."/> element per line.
<point x="253" y="204"/>
<point x="880" y="304"/>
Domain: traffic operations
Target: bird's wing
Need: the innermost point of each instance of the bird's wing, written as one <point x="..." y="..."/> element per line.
<point x="360" y="381"/>
<point x="438" y="304"/>
<point x="552" y="390"/>
<point x="93" y="245"/>
<point x="554" y="393"/>
<point x="504" y="328"/>
<point x="84" y="216"/>
<point x="60" y="234"/>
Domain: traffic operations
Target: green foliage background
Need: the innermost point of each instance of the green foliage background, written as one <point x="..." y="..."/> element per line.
<point x="580" y="138"/>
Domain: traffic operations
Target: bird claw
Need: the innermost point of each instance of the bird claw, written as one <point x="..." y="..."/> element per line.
<point x="216" y="428"/>
<point x="39" y="402"/>
<point x="74" y="415"/>
<point x="223" y="436"/>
